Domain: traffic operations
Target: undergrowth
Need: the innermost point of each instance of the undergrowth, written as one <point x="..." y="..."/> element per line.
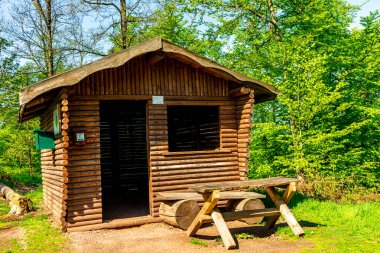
<point x="38" y="233"/>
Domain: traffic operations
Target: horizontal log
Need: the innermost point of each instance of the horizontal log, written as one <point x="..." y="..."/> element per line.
<point x="87" y="151"/>
<point x="88" y="201"/>
<point x="88" y="156"/>
<point x="62" y="145"/>
<point x="55" y="177"/>
<point x="61" y="162"/>
<point x="82" y="223"/>
<point x="184" y="185"/>
<point x="230" y="216"/>
<point x="52" y="195"/>
<point x="87" y="212"/>
<point x="61" y="157"/>
<point x="86" y="195"/>
<point x="163" y="174"/>
<point x="56" y="183"/>
<point x="72" y="180"/>
<point x="83" y="207"/>
<point x="205" y="178"/>
<point x="197" y="165"/>
<point x="49" y="162"/>
<point x="62" y="190"/>
<point x="56" y="173"/>
<point x="83" y="185"/>
<point x="83" y="102"/>
<point x="84" y="174"/>
<point x="85" y="190"/>
<point x="159" y="156"/>
<point x="238" y="92"/>
<point x="84" y="218"/>
<point x="193" y="161"/>
<point x="61" y="151"/>
<point x="167" y="180"/>
<point x="50" y="201"/>
<point x="80" y="119"/>
<point x="84" y="162"/>
<point x="120" y="223"/>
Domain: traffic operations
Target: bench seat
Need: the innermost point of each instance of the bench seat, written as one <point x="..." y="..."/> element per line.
<point x="167" y="196"/>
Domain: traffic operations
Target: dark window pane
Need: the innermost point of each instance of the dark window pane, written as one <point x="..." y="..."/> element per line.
<point x="193" y="128"/>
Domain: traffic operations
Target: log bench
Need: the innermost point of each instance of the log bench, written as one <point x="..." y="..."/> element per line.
<point x="180" y="208"/>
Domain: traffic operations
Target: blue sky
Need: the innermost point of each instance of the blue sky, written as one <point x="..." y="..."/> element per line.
<point x="369" y="5"/>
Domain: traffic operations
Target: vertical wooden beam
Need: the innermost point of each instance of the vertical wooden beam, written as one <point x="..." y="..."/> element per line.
<point x="285" y="211"/>
<point x="223" y="230"/>
<point x="208" y="207"/>
<point x="287" y="196"/>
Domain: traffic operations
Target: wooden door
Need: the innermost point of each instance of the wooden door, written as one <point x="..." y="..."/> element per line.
<point x="124" y="165"/>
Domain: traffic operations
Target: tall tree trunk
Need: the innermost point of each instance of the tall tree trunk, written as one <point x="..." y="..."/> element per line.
<point x="274" y="24"/>
<point x="123" y="24"/>
<point x="46" y="27"/>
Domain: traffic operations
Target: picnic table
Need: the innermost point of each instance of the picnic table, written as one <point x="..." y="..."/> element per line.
<point x="210" y="212"/>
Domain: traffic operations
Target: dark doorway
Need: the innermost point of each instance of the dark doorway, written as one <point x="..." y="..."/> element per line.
<point x="125" y="181"/>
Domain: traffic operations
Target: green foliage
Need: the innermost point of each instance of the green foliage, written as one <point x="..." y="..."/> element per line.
<point x="244" y="236"/>
<point x="196" y="241"/>
<point x="333" y="227"/>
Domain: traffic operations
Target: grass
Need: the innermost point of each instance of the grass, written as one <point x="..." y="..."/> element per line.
<point x="336" y="227"/>
<point x="329" y="226"/>
<point x="196" y="241"/>
<point x="38" y="233"/>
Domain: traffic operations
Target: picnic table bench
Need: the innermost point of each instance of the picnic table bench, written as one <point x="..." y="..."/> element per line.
<point x="211" y="194"/>
<point x="180" y="208"/>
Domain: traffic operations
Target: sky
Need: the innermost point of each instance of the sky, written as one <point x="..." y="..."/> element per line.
<point x="369" y="5"/>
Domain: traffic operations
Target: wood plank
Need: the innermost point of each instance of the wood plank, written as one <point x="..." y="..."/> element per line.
<point x="198" y="197"/>
<point x="210" y="202"/>
<point x="223" y="230"/>
<point x="243" y="185"/>
<point x="287" y="196"/>
<point x="285" y="212"/>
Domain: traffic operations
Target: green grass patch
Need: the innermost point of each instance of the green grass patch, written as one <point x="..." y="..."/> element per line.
<point x="336" y="227"/>
<point x="244" y="236"/>
<point x="39" y="235"/>
<point x="196" y="241"/>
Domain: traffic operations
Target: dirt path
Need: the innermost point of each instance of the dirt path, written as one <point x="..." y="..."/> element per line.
<point x="161" y="238"/>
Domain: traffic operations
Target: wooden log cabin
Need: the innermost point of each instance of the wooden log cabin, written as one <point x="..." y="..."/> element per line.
<point x="152" y="118"/>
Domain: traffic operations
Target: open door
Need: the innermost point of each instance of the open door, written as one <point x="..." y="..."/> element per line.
<point x="124" y="165"/>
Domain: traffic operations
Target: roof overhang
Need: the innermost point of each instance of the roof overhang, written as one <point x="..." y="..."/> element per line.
<point x="36" y="94"/>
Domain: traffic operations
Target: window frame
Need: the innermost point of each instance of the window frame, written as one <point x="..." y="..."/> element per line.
<point x="199" y="149"/>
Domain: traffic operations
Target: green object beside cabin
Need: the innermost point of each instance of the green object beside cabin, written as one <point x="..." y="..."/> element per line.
<point x="44" y="139"/>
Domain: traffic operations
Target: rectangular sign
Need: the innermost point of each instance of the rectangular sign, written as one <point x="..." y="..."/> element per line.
<point x="158" y="100"/>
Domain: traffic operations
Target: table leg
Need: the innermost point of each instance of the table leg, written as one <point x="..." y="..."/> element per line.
<point x="223" y="230"/>
<point x="287" y="196"/>
<point x="211" y="199"/>
<point x="285" y="211"/>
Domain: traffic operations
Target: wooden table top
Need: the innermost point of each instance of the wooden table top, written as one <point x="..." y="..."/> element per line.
<point x="242" y="185"/>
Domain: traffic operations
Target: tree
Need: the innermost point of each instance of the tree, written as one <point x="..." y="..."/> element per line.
<point x="42" y="33"/>
<point x="122" y="21"/>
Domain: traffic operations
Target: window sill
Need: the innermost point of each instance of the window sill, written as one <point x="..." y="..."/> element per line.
<point x="200" y="152"/>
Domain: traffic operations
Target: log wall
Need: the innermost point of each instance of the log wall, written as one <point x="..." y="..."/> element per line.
<point x="53" y="163"/>
<point x="181" y="84"/>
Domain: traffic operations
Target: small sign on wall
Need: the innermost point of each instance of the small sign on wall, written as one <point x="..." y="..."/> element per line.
<point x="158" y="100"/>
<point x="57" y="120"/>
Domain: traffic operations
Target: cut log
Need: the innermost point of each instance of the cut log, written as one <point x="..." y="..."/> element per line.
<point x="179" y="213"/>
<point x="247" y="205"/>
<point x="19" y="205"/>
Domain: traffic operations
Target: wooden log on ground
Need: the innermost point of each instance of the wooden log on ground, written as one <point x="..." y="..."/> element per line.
<point x="248" y="204"/>
<point x="19" y="205"/>
<point x="179" y="213"/>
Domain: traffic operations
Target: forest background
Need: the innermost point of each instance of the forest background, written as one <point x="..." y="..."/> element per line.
<point x="323" y="128"/>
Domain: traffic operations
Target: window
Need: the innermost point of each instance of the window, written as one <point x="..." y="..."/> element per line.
<point x="193" y="128"/>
